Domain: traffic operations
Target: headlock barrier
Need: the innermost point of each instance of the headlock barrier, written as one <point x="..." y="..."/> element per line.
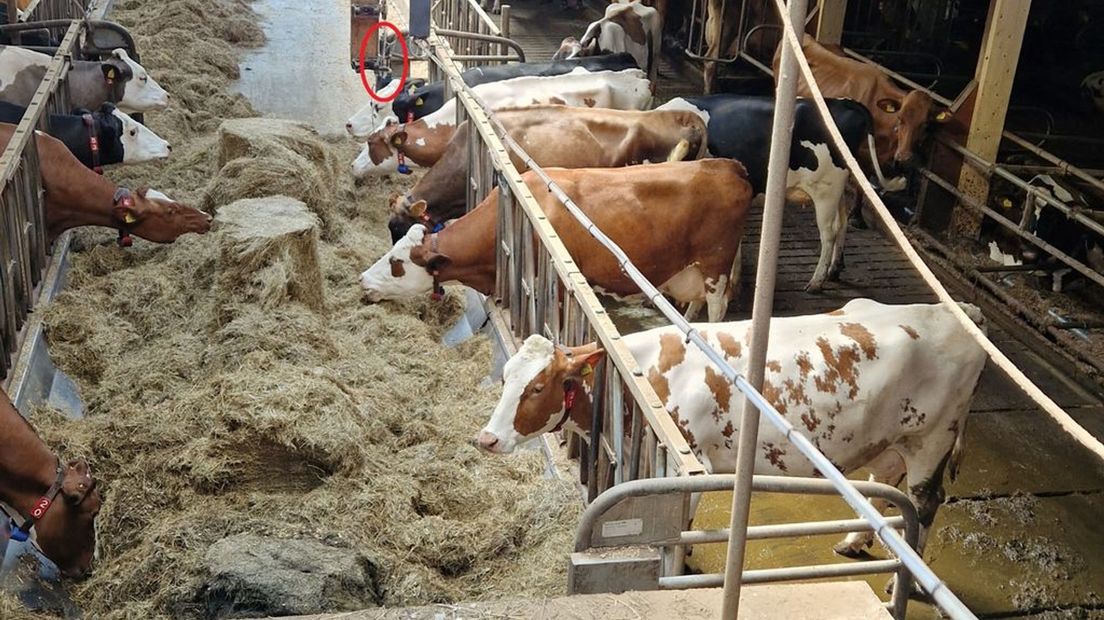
<point x="635" y="450"/>
<point x="23" y="243"/>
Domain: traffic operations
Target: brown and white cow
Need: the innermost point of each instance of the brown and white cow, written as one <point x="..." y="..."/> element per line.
<point x="872" y="385"/>
<point x="553" y="136"/>
<point x="54" y="503"/>
<point x="626" y="27"/>
<point x="77" y="196"/>
<point x="901" y="118"/>
<point x="423" y="141"/>
<point x="681" y="224"/>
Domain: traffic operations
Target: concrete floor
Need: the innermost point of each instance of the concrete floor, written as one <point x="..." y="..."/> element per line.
<point x="283" y="80"/>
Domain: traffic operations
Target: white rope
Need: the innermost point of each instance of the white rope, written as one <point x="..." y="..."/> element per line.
<point x="1059" y="415"/>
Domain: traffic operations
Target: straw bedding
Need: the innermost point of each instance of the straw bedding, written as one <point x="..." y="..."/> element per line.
<point x="211" y="416"/>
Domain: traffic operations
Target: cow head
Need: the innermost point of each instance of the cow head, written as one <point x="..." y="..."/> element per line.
<point x="138" y="143"/>
<point x="1092" y="89"/>
<point x="380" y="153"/>
<point x="536" y="383"/>
<point x="405" y="270"/>
<point x="66" y="533"/>
<point x="155" y="217"/>
<point x="142" y="93"/>
<point x="570" y="47"/>
<point x="404" y="215"/>
<point x="914" y="114"/>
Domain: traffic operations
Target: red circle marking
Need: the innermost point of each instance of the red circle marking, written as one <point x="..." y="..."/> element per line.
<point x="405" y="55"/>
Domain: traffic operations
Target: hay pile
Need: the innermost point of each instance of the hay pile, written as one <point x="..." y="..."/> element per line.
<point x="347" y="425"/>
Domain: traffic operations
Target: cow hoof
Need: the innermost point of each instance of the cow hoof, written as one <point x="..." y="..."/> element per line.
<point x="846" y="550"/>
<point x="814" y="287"/>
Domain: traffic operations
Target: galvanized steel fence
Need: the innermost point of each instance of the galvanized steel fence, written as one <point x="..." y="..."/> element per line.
<point x="23" y="242"/>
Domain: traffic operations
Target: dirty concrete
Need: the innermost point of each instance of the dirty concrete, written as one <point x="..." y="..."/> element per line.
<point x="303" y="71"/>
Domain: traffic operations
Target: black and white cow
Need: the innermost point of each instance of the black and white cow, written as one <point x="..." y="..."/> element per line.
<point x="739" y="127"/>
<point x="107" y="136"/>
<point x="421" y="99"/>
<point x="1054" y="227"/>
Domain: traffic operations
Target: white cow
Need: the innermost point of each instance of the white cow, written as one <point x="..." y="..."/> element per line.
<point x="1092" y="87"/>
<point x="626" y="27"/>
<point x="621" y="90"/>
<point x="877" y="386"/>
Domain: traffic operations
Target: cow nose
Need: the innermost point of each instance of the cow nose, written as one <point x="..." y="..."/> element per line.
<point x="349" y="127"/>
<point x="169" y="146"/>
<point x="487" y="441"/>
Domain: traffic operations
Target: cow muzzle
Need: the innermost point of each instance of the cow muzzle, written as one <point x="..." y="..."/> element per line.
<point x="488" y="442"/>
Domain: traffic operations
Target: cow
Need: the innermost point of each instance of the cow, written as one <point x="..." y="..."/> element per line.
<point x="878" y="386"/>
<point x="681" y="223"/>
<point x="739" y="127"/>
<point x="424" y="140"/>
<point x="49" y="503"/>
<point x="119" y="80"/>
<point x="901" y="119"/>
<point x="626" y="27"/>
<point x="1057" y="229"/>
<point x="553" y="136"/>
<point x="76" y="196"/>
<point x="100" y="138"/>
<point x="420" y="99"/>
<point x="1092" y="88"/>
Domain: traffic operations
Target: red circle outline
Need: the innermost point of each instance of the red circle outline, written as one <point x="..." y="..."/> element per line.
<point x="405" y="55"/>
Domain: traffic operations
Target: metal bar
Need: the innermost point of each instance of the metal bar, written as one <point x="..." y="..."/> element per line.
<point x="792" y="573"/>
<point x="974" y="205"/>
<point x="778" y="167"/>
<point x="786" y="530"/>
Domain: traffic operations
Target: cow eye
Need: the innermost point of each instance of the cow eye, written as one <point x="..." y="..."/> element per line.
<point x="538" y="388"/>
<point x="144" y="78"/>
<point x="133" y="132"/>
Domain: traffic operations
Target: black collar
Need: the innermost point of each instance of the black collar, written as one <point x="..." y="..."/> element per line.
<point x="22" y="532"/>
<point x="93" y="142"/>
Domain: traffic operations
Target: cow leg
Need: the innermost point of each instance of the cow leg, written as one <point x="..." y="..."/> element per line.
<point x="692" y="310"/>
<point x="716" y="299"/>
<point x="836" y="267"/>
<point x="887" y="468"/>
<point x="713" y="23"/>
<point x="827" y="194"/>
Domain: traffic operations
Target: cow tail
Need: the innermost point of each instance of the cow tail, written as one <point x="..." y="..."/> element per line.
<point x="956" y="451"/>
<point x="681" y="150"/>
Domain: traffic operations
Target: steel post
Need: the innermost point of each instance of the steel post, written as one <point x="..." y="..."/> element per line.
<point x="777" y="170"/>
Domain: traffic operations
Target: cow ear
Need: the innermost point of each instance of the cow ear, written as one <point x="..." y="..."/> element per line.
<point x="398" y="138"/>
<point x="581" y="366"/>
<point x="76" y="481"/>
<point x="942" y="116"/>
<point x="110" y="72"/>
<point x="417" y="209"/>
<point x="889" y="105"/>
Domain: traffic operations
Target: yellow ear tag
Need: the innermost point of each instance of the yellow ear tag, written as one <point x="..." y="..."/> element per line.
<point x="397" y="141"/>
<point x="111" y="74"/>
<point x="419" y="102"/>
<point x="942" y="116"/>
<point x="586" y="370"/>
<point x="129" y="219"/>
<point x="1006" y="203"/>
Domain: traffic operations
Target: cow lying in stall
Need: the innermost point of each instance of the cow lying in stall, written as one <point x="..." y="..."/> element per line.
<point x="100" y="138"/>
<point x="77" y="196"/>
<point x="900" y="119"/>
<point x="51" y="504"/>
<point x="681" y="223"/>
<point x="117" y="80"/>
<point x="883" y="387"/>
<point x="626" y="27"/>
<point x="420" y="99"/>
<point x="1057" y="229"/>
<point x="424" y="140"/>
<point x="739" y="127"/>
<point x="553" y="136"/>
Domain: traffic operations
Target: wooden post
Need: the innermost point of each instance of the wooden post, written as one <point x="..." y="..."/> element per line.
<point x="996" y="70"/>
<point x="829" y="27"/>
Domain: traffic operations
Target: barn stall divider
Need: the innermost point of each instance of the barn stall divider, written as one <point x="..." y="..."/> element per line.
<point x="636" y="449"/>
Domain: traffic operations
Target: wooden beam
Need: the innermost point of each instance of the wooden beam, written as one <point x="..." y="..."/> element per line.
<point x="996" y="71"/>
<point x="829" y="27"/>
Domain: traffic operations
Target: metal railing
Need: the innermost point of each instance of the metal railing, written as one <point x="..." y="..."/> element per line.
<point x="23" y="242"/>
<point x="44" y="10"/>
<point x="539" y="289"/>
<point x="613" y="505"/>
<point x="473" y="36"/>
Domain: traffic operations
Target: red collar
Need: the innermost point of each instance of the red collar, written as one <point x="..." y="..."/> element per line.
<point x="93" y="142"/>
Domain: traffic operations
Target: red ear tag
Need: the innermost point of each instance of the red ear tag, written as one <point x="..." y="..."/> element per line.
<point x="125" y="241"/>
<point x="569" y="397"/>
<point x="127" y="201"/>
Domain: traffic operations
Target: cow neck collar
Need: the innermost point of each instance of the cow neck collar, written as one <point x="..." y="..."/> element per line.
<point x="93" y="142"/>
<point x="438" y="291"/>
<point x="124" y="198"/>
<point x="21" y="531"/>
